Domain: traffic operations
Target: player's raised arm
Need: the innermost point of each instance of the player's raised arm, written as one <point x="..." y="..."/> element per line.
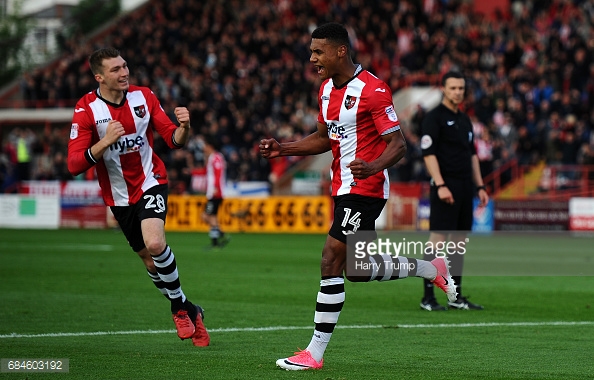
<point x="114" y="131"/>
<point x="182" y="133"/>
<point x="395" y="150"/>
<point x="82" y="153"/>
<point x="316" y="143"/>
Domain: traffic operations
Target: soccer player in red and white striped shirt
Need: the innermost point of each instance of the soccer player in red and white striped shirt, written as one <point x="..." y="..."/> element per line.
<point x="357" y="122"/>
<point x="112" y="130"/>
<point x="216" y="168"/>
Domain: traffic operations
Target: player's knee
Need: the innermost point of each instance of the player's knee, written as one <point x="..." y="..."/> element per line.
<point x="155" y="245"/>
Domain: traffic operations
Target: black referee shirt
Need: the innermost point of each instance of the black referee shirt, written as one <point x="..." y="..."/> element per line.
<point x="448" y="135"/>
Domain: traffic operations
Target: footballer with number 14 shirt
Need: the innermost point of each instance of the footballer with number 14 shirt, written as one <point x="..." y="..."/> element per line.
<point x="357" y="122"/>
<point x="112" y="130"/>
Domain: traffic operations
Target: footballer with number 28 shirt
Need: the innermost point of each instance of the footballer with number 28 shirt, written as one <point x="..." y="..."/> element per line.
<point x="112" y="131"/>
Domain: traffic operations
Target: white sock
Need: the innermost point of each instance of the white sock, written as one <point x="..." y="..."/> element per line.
<point x="318" y="344"/>
<point x="426" y="270"/>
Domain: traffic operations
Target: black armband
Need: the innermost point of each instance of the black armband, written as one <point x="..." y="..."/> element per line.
<point x="89" y="157"/>
<point x="175" y="143"/>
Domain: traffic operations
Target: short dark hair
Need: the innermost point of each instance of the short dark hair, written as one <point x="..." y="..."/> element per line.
<point x="451" y="74"/>
<point x="333" y="32"/>
<point x="96" y="59"/>
<point x="212" y="141"/>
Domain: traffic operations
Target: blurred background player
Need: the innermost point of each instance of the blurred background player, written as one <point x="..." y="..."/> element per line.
<point x="112" y="129"/>
<point x="216" y="168"/>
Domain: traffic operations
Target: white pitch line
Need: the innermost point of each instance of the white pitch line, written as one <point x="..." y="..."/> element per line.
<point x="285" y="328"/>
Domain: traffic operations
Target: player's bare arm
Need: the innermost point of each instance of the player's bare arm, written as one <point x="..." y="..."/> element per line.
<point x="316" y="143"/>
<point x="114" y="131"/>
<point x="395" y="150"/>
<point x="183" y="118"/>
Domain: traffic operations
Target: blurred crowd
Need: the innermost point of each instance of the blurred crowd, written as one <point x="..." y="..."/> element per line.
<point x="242" y="68"/>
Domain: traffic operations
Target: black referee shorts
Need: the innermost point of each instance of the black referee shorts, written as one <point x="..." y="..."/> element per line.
<point x="454" y="217"/>
<point x="353" y="213"/>
<point x="152" y="204"/>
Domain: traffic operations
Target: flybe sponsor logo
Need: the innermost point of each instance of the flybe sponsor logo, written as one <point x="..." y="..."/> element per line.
<point x="127" y="145"/>
<point x="335" y="132"/>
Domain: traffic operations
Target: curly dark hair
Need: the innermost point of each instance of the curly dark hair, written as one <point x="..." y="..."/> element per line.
<point x="333" y="32"/>
<point x="212" y="141"/>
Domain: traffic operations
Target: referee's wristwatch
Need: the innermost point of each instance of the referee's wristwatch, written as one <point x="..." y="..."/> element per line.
<point x="479" y="188"/>
<point x="438" y="186"/>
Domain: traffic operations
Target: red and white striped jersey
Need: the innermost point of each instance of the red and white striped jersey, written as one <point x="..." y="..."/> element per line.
<point x="130" y="166"/>
<point x="215" y="176"/>
<point x="357" y="115"/>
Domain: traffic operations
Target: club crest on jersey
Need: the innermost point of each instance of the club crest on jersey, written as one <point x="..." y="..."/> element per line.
<point x="349" y="102"/>
<point x="140" y="111"/>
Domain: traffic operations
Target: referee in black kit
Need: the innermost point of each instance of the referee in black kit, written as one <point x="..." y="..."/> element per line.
<point x="450" y="157"/>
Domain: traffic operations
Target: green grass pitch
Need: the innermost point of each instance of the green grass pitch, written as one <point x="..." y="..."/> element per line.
<point x="85" y="296"/>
